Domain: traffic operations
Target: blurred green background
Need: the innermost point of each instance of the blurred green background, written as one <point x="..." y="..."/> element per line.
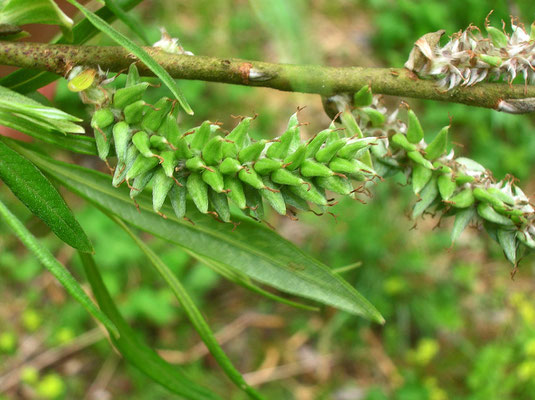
<point x="458" y="327"/>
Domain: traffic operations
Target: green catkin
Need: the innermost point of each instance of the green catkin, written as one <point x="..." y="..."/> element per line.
<point x="286" y="172"/>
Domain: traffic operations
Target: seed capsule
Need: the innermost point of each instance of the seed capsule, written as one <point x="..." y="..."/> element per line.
<point x="420" y="177"/>
<point x="82" y="81"/>
<point x="141" y="165"/>
<point x="133" y="76"/>
<point x="177" y="195"/>
<point x="123" y="167"/>
<point x="415" y="133"/>
<point x="212" y="152"/>
<point x="352" y="167"/>
<point x="446" y="186"/>
<point x="274" y="198"/>
<point x="311" y="168"/>
<point x="154" y="117"/>
<point x="315" y="143"/>
<point x="463" y="199"/>
<point x="121" y="138"/>
<point x="235" y="188"/>
<point x="237" y="139"/>
<point x="438" y="146"/>
<point x="230" y="166"/>
<point x="129" y="95"/>
<point x="265" y="166"/>
<point x="427" y="197"/>
<point x="309" y="193"/>
<point x="169" y="129"/>
<point x="220" y="205"/>
<point x="159" y="143"/>
<point x="140" y="182"/>
<point x="497" y="36"/>
<point x="284" y="177"/>
<point x="254" y="202"/>
<point x="485" y="196"/>
<point x="293" y="200"/>
<point x="353" y="146"/>
<point x="169" y="162"/>
<point x="103" y="141"/>
<point x="279" y="150"/>
<point x="486" y="211"/>
<point x="376" y="117"/>
<point x="201" y="137"/>
<point x="363" y="98"/>
<point x="419" y="159"/>
<point x="401" y="141"/>
<point x="214" y="179"/>
<point x="195" y="164"/>
<point x="252" y="152"/>
<point x="161" y="185"/>
<point x="250" y="177"/>
<point x="198" y="191"/>
<point x="133" y="113"/>
<point x="142" y="142"/>
<point x="325" y="154"/>
<point x="294" y="160"/>
<point x="335" y="184"/>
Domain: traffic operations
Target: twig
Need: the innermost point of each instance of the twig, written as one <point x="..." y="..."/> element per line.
<point x="295" y="78"/>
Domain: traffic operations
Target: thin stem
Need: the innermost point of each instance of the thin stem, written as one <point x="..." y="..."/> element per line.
<point x="294" y="78"/>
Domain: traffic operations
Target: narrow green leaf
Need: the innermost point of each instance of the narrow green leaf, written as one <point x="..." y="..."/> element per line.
<point x="122" y="40"/>
<point x="76" y="143"/>
<point x="137" y="352"/>
<point x="239" y="278"/>
<point x="22" y="12"/>
<point x="43" y="200"/>
<point x="48" y="117"/>
<point x="509" y="243"/>
<point x="53" y="265"/>
<point x="133" y="25"/>
<point x="193" y="313"/>
<point x="251" y="249"/>
<point x="27" y="80"/>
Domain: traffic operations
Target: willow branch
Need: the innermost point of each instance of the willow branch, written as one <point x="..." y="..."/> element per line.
<point x="287" y="77"/>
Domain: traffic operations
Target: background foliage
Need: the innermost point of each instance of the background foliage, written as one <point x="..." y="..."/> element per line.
<point x="457" y="325"/>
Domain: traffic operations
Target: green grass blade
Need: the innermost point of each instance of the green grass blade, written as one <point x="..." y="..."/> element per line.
<point x="193" y="313"/>
<point x="137" y="352"/>
<point x="253" y="250"/>
<point x="133" y="25"/>
<point x="53" y="265"/>
<point x="123" y="41"/>
<point x="43" y="200"/>
<point x="26" y="80"/>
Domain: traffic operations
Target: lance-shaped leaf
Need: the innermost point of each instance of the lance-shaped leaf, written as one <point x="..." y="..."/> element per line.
<point x="43" y="200"/>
